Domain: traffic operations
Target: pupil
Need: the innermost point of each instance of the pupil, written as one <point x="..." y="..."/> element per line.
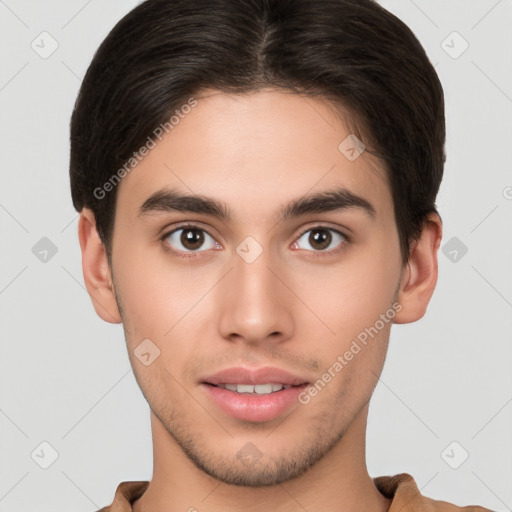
<point x="192" y="238"/>
<point x="321" y="237"/>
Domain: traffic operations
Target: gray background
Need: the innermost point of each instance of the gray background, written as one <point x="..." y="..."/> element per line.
<point x="65" y="377"/>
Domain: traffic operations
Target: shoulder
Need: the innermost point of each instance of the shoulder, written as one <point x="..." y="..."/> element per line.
<point x="126" y="494"/>
<point x="406" y="496"/>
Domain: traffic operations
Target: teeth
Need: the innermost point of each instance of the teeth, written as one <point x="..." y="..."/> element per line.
<point x="244" y="388"/>
<point x="263" y="389"/>
<point x="258" y="389"/>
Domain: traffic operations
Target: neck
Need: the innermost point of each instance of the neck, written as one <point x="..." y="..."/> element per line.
<point x="339" y="482"/>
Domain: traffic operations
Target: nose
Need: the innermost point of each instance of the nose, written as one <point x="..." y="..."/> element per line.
<point x="256" y="304"/>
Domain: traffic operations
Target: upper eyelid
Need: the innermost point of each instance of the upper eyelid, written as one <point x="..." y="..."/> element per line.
<point x="327" y="228"/>
<point x="189" y="225"/>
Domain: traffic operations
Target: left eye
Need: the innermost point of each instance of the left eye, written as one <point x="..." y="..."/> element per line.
<point x="321" y="238"/>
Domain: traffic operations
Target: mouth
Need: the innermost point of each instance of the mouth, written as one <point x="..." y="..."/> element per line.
<point x="256" y="389"/>
<point x="254" y="395"/>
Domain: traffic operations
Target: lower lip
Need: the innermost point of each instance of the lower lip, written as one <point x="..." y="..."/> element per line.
<point x="248" y="407"/>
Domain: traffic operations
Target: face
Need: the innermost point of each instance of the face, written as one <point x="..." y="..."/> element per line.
<point x="256" y="289"/>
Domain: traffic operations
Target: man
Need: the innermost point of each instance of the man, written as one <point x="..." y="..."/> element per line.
<point x="256" y="181"/>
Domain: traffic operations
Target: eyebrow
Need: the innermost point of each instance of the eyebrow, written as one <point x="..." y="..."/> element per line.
<point x="171" y="200"/>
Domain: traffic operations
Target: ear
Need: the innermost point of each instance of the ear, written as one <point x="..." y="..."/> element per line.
<point x="97" y="276"/>
<point x="419" y="276"/>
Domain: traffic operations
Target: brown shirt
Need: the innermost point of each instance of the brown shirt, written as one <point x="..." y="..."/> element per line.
<point x="402" y="488"/>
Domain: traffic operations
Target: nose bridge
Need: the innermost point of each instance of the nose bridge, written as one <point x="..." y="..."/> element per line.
<point x="254" y="299"/>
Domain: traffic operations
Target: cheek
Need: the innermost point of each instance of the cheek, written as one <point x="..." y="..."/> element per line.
<point x="155" y="294"/>
<point x="353" y="295"/>
<point x="164" y="303"/>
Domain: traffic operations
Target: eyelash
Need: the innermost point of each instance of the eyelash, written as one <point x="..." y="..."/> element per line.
<point x="192" y="254"/>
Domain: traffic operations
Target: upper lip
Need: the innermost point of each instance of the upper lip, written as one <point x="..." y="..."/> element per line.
<point x="265" y="375"/>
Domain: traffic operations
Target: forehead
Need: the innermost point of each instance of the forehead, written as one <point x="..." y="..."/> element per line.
<point x="256" y="152"/>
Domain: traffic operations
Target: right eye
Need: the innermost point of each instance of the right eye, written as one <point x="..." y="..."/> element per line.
<point x="191" y="238"/>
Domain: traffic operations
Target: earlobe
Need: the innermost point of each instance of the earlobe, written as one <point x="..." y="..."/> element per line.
<point x="419" y="276"/>
<point x="97" y="276"/>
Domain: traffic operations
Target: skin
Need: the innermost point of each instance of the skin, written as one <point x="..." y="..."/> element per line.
<point x="288" y="308"/>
